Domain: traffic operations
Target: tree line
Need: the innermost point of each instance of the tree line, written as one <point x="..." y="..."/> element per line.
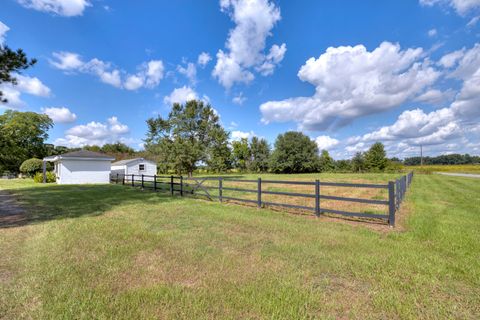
<point x="454" y="158"/>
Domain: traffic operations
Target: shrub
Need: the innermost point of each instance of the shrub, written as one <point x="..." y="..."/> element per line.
<point x="38" y="177"/>
<point x="31" y="166"/>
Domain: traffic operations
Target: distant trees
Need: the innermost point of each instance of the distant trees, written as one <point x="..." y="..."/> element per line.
<point x="326" y="162"/>
<point x="376" y="158"/>
<point x="22" y="136"/>
<point x="241" y="155"/>
<point x="294" y="153"/>
<point x="443" y="159"/>
<point x="260" y="155"/>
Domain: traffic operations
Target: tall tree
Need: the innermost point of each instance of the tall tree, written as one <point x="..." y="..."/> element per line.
<point x="294" y="153"/>
<point x="376" y="157"/>
<point x="219" y="154"/>
<point x="260" y="155"/>
<point x="184" y="139"/>
<point x="241" y="154"/>
<point x="22" y="136"/>
<point x="326" y="162"/>
<point x="12" y="62"/>
<point x="358" y="162"/>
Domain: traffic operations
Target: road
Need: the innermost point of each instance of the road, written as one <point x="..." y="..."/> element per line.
<point x="468" y="175"/>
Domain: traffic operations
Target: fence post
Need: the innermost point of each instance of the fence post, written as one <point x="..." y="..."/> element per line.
<point x="317" y="198"/>
<point x="171" y="185"/>
<point x="142" y="181"/>
<point x="116" y="181"/>
<point x="181" y="186"/>
<point x="154" y="182"/>
<point x="259" y="193"/>
<point x="391" y="203"/>
<point x="220" y="187"/>
<point x="123" y="179"/>
<point x="133" y="180"/>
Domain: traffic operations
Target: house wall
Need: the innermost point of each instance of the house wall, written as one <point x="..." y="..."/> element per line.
<point x="150" y="168"/>
<point x="119" y="170"/>
<point x="83" y="171"/>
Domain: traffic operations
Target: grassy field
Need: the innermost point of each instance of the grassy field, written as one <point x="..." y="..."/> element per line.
<point x="113" y="252"/>
<point x="458" y="168"/>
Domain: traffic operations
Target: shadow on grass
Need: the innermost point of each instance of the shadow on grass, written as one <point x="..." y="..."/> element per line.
<point x="34" y="205"/>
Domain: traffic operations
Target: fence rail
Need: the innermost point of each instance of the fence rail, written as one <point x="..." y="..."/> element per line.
<point x="202" y="186"/>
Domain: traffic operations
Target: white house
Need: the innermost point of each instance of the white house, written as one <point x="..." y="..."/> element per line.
<point x="137" y="166"/>
<point x="80" y="167"/>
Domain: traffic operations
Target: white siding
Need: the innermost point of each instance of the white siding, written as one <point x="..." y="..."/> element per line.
<point x="150" y="168"/>
<point x="83" y="171"/>
<point x="118" y="169"/>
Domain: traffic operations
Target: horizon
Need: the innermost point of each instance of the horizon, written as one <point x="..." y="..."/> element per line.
<point x="405" y="73"/>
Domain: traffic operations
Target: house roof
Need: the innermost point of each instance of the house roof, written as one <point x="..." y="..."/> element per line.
<point x="81" y="154"/>
<point x="128" y="161"/>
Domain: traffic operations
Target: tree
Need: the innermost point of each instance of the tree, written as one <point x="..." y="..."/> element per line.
<point x="31" y="166"/>
<point x="375" y="157"/>
<point x="184" y="139"/>
<point x="117" y="148"/>
<point x="219" y="154"/>
<point x="358" y="162"/>
<point x="22" y="136"/>
<point x="326" y="162"/>
<point x="260" y="155"/>
<point x="12" y="62"/>
<point x="294" y="153"/>
<point x="241" y="154"/>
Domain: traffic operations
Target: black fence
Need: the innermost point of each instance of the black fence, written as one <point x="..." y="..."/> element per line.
<point x="389" y="196"/>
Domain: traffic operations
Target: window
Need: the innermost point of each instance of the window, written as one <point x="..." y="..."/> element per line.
<point x="141" y="167"/>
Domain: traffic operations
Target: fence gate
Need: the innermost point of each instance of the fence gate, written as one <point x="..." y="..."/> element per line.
<point x="198" y="188"/>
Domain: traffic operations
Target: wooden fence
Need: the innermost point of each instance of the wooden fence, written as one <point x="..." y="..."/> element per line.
<point x="390" y="196"/>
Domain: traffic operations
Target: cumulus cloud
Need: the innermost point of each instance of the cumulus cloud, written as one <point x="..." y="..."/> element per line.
<point x="149" y="74"/>
<point x="3" y="31"/>
<point x="60" y="115"/>
<point x="67" y="8"/>
<point x="352" y="82"/>
<point x="238" y="135"/>
<point x="462" y="7"/>
<point x="94" y="133"/>
<point x="189" y="71"/>
<point x="435" y="96"/>
<point x="180" y="95"/>
<point x="326" y="142"/>
<point x="25" y="84"/>
<point x="203" y="59"/>
<point x="245" y="46"/>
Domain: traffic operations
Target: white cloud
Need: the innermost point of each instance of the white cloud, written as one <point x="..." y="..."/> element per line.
<point x="3" y="31"/>
<point x="432" y="32"/>
<point x="60" y="115"/>
<point x="473" y="22"/>
<point x="254" y="20"/>
<point x="450" y="59"/>
<point x="203" y="59"/>
<point x="67" y="8"/>
<point x="352" y="82"/>
<point x="239" y="99"/>
<point x="94" y="133"/>
<point x="462" y="7"/>
<point x="180" y="95"/>
<point x="435" y="96"/>
<point x="25" y="84"/>
<point x="148" y="76"/>
<point x="326" y="142"/>
<point x="32" y="85"/>
<point x="189" y="71"/>
<point x="237" y="135"/>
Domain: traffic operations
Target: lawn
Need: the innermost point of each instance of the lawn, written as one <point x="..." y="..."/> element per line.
<point x="458" y="168"/>
<point x="120" y="253"/>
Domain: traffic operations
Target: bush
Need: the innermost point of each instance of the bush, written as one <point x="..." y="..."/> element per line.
<point x="38" y="177"/>
<point x="31" y="166"/>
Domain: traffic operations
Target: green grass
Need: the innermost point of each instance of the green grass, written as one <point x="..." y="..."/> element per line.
<point x="458" y="168"/>
<point x="113" y="252"/>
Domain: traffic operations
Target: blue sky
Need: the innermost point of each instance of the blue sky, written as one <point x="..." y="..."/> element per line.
<point x="346" y="73"/>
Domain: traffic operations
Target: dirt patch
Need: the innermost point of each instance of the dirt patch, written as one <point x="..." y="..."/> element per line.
<point x="12" y="213"/>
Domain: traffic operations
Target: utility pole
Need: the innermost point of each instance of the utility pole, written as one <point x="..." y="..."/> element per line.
<point x="421" y="155"/>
